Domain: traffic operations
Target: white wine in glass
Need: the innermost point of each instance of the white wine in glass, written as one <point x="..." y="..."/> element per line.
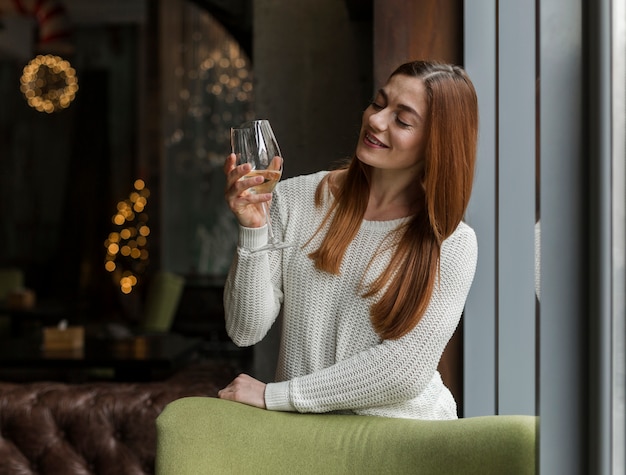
<point x="254" y="142"/>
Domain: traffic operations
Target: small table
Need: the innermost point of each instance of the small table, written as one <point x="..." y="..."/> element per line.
<point x="138" y="358"/>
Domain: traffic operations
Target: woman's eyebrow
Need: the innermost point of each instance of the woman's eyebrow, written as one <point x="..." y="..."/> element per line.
<point x="380" y="92"/>
<point x="404" y="107"/>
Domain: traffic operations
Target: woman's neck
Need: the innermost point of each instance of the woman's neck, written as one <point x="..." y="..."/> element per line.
<point x="393" y="196"/>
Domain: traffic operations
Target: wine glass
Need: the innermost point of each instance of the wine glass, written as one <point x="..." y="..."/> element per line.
<point x="254" y="142"/>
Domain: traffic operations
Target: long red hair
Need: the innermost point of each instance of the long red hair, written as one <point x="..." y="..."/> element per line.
<point x="451" y="135"/>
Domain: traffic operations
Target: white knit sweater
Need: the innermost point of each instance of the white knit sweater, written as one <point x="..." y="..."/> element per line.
<point x="330" y="358"/>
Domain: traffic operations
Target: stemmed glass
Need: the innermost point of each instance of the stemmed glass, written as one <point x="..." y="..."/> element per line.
<point x="254" y="143"/>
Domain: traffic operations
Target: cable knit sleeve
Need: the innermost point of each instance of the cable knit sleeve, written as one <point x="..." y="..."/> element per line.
<point x="252" y="293"/>
<point x="389" y="374"/>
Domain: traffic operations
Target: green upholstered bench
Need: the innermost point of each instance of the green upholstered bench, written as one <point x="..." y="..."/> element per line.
<point x="201" y="435"/>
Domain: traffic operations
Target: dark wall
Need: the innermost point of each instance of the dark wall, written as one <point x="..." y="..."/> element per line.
<point x="61" y="174"/>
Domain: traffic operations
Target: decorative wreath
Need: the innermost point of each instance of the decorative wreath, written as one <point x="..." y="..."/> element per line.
<point x="49" y="83"/>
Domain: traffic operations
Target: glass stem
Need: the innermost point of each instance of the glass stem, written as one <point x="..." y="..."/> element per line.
<point x="270" y="232"/>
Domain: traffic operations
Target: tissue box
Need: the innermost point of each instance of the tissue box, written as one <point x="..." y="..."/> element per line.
<point x="70" y="338"/>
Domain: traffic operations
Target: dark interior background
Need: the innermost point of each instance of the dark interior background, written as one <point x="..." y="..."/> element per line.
<point x="62" y="174"/>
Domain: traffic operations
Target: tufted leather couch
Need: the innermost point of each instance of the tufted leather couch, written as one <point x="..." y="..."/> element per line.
<point x="92" y="428"/>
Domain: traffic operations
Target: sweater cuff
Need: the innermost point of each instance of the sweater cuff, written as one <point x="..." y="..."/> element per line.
<point x="277" y="397"/>
<point x="251" y="238"/>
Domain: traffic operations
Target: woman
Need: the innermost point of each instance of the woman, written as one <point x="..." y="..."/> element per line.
<point x="375" y="287"/>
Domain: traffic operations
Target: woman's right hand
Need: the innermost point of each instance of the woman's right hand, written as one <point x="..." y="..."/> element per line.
<point x="246" y="206"/>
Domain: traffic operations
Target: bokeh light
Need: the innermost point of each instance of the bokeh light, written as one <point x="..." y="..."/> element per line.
<point x="127" y="255"/>
<point x="49" y="83"/>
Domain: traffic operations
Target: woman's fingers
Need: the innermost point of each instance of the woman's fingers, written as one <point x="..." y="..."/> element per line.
<point x="247" y="206"/>
<point x="229" y="163"/>
<point x="245" y="389"/>
<point x="276" y="163"/>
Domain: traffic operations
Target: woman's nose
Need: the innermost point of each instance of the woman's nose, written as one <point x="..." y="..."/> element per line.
<point x="377" y="120"/>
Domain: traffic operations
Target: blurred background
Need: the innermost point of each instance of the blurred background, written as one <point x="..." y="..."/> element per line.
<point x="123" y="175"/>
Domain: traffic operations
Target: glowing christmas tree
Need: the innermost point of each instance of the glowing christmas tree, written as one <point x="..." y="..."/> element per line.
<point x="127" y="245"/>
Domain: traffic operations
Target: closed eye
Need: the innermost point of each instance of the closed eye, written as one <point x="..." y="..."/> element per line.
<point x="402" y="124"/>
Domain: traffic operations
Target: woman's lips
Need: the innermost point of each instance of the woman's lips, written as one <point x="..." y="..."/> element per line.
<point x="370" y="139"/>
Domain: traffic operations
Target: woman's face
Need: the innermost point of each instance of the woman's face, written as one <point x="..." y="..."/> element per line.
<point x="392" y="129"/>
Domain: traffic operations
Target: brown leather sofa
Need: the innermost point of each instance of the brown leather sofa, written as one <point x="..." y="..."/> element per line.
<point x="102" y="428"/>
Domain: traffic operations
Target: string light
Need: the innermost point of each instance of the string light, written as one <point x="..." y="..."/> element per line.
<point x="127" y="255"/>
<point x="49" y="83"/>
<point x="213" y="86"/>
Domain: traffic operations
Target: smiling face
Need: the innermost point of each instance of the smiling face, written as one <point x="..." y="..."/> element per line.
<point x="393" y="125"/>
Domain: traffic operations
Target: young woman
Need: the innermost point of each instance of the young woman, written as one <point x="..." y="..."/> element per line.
<point x="375" y="286"/>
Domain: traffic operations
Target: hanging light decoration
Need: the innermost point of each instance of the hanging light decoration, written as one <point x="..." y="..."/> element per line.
<point x="49" y="83"/>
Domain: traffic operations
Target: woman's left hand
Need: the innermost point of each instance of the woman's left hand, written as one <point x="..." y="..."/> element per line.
<point x="245" y="389"/>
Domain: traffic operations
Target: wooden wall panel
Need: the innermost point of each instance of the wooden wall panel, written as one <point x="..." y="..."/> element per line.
<point x="416" y="29"/>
